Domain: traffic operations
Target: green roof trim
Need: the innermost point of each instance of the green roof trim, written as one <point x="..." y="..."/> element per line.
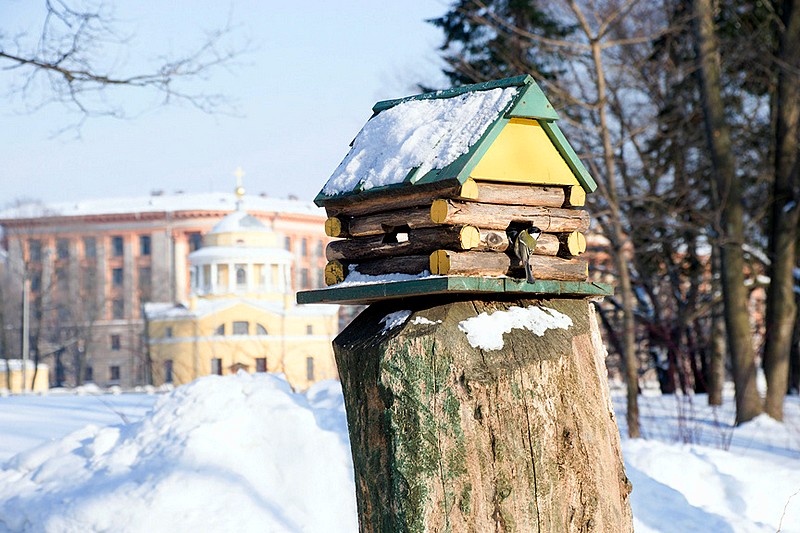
<point x="532" y="103"/>
<point x="451" y="285"/>
<point x="529" y="103"/>
<point x="569" y="155"/>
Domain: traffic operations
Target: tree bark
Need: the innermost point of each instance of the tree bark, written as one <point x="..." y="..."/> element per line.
<point x="716" y="373"/>
<point x="419" y="241"/>
<point x="492" y="216"/>
<point x="781" y="309"/>
<point x="336" y="271"/>
<point x="729" y="200"/>
<point x="370" y="202"/>
<point x="449" y="437"/>
<point x="449" y="263"/>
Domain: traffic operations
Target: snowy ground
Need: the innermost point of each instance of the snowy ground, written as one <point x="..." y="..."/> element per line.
<point x="244" y="453"/>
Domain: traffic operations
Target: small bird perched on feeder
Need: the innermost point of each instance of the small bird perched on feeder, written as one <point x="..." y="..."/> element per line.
<point x="524" y="245"/>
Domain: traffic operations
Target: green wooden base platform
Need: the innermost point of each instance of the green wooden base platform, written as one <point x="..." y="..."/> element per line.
<point x="366" y="293"/>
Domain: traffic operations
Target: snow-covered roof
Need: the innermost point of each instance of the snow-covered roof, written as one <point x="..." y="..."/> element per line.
<point x="239" y="221"/>
<point x="441" y="136"/>
<point x="239" y="253"/>
<point x="203" y="307"/>
<point x="416" y="134"/>
<point x="212" y="201"/>
<point x="166" y="310"/>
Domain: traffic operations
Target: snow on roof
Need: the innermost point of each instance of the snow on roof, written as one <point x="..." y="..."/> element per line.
<point x="239" y="221"/>
<point x="424" y="134"/>
<point x="212" y="201"/>
<point x="236" y="253"/>
<point x="165" y="311"/>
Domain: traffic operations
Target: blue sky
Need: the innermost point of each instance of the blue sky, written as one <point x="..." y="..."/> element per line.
<point x="302" y="94"/>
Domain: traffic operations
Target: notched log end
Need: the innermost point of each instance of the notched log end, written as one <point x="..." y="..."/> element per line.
<point x="335" y="272"/>
<point x="335" y="227"/>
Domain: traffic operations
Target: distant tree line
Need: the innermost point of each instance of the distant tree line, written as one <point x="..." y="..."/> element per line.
<point x="686" y="112"/>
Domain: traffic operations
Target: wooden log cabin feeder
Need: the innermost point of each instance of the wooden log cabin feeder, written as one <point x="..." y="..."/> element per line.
<point x="439" y="186"/>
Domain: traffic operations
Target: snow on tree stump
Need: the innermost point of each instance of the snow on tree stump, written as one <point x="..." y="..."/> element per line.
<point x="447" y="436"/>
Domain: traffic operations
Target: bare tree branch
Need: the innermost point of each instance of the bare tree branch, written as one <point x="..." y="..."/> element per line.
<point x="73" y="64"/>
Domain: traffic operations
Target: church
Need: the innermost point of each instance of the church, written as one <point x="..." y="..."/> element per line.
<point x="240" y="314"/>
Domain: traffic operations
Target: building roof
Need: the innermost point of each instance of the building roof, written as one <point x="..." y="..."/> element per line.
<point x="169" y="203"/>
<point x="442" y="136"/>
<point x="204" y="307"/>
<point x="237" y="222"/>
<point x="239" y="253"/>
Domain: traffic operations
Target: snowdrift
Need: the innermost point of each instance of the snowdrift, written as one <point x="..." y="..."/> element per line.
<point x="237" y="453"/>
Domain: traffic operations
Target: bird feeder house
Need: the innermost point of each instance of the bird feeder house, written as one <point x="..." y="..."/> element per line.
<point x="471" y="190"/>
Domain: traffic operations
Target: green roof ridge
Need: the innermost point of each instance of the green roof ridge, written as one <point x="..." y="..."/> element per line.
<point x="516" y="81"/>
<point x="568" y="153"/>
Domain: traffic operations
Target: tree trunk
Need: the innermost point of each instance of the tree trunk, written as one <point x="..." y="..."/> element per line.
<point x="449" y="437"/>
<point x="716" y="374"/>
<point x="619" y="238"/>
<point x="729" y="201"/>
<point x="4" y="344"/>
<point x="781" y="309"/>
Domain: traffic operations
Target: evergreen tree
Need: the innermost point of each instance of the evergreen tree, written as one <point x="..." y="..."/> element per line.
<point x="499" y="39"/>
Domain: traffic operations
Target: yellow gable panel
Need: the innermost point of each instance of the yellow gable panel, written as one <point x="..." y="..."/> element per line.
<point x="523" y="153"/>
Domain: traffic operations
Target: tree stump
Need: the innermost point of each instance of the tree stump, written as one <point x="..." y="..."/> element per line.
<point x="450" y="437"/>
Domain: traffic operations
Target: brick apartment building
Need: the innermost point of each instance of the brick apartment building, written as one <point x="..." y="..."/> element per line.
<point x="91" y="265"/>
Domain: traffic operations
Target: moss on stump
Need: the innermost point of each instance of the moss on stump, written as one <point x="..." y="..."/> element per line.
<point x="449" y="437"/>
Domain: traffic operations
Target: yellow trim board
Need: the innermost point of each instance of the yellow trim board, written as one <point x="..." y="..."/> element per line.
<point x="523" y="153"/>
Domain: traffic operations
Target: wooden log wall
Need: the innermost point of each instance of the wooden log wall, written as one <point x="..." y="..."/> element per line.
<point x="454" y="229"/>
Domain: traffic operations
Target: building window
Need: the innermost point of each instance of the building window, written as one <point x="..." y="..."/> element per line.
<point x="113" y="373"/>
<point x="62" y="248"/>
<point x="241" y="276"/>
<point x="216" y="366"/>
<point x="117" y="248"/>
<point x="241" y="328"/>
<point x="304" y="279"/>
<point x="168" y="371"/>
<point x="261" y="330"/>
<point x="117" y="309"/>
<point x="88" y="374"/>
<point x="116" y="277"/>
<point x="261" y="364"/>
<point x="144" y="244"/>
<point x="320" y="277"/>
<point x="318" y="252"/>
<point x="195" y="241"/>
<point x="145" y="283"/>
<point x="304" y="247"/>
<point x="220" y="330"/>
<point x="116" y="343"/>
<point x="88" y="279"/>
<point x="287" y="243"/>
<point x="168" y="333"/>
<point x="36" y="281"/>
<point x="89" y="247"/>
<point x="310" y="368"/>
<point x="61" y="279"/>
<point x="34" y="250"/>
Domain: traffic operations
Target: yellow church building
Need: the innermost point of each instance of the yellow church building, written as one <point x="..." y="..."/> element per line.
<point x="240" y="314"/>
